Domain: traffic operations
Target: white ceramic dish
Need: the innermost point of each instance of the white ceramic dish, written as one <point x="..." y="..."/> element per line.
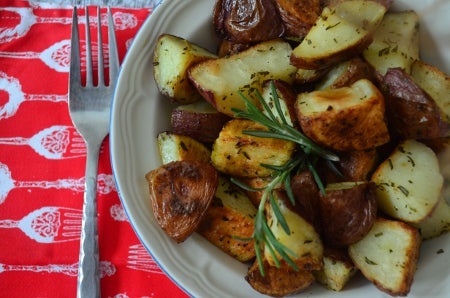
<point x="139" y="113"/>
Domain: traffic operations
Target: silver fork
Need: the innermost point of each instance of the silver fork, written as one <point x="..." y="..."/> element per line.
<point x="89" y="108"/>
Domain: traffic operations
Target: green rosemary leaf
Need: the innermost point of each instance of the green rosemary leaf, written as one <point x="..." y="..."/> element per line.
<point x="259" y="258"/>
<point x="288" y="188"/>
<point x="276" y="101"/>
<point x="279" y="216"/>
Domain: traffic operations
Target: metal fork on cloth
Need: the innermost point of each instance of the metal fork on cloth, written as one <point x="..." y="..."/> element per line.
<point x="89" y="107"/>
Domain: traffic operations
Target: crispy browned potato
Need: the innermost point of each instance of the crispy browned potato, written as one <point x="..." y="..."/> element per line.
<point x="346" y="73"/>
<point x="247" y="20"/>
<point x="198" y="120"/>
<point x="338" y="269"/>
<point x="180" y="194"/>
<point x="347" y="211"/>
<point x="388" y="255"/>
<point x="411" y="112"/>
<point x="256" y="182"/>
<point x="239" y="154"/>
<point x="278" y="282"/>
<point x="228" y="220"/>
<point x="345" y="119"/>
<point x="298" y="16"/>
<point x="227" y="47"/>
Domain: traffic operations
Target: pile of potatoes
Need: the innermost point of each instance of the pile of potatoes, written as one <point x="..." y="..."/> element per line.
<point x="349" y="76"/>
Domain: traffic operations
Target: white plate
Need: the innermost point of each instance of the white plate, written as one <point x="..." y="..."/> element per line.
<point x="139" y="113"/>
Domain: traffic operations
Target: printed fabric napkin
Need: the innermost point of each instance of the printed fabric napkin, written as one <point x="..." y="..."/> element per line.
<point x="42" y="166"/>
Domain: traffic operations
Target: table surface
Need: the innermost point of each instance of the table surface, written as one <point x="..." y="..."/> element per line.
<point x="42" y="163"/>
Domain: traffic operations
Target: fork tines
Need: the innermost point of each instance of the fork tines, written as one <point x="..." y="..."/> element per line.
<point x="75" y="68"/>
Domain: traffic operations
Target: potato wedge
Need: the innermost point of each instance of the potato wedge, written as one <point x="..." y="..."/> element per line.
<point x="172" y="57"/>
<point x="435" y="83"/>
<point x="409" y="182"/>
<point x="286" y="96"/>
<point x="198" y="120"/>
<point x="230" y="218"/>
<point x="298" y="16"/>
<point x="337" y="269"/>
<point x="436" y="224"/>
<point x="175" y="147"/>
<point x="219" y="80"/>
<point x="395" y="42"/>
<point x="180" y="194"/>
<point x="238" y="154"/>
<point x="412" y="113"/>
<point x="387" y="256"/>
<point x="346" y="119"/>
<point x="347" y="212"/>
<point x="278" y="282"/>
<point x="340" y="33"/>
<point x="303" y="240"/>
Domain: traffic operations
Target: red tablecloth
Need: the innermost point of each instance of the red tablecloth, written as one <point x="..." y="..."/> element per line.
<point x="42" y="169"/>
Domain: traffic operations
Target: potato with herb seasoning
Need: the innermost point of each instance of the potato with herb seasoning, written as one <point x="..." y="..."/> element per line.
<point x="175" y="147"/>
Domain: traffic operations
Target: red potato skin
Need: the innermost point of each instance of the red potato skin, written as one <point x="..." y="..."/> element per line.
<point x="347" y="215"/>
<point x="411" y="112"/>
<point x="307" y="195"/>
<point x="247" y="20"/>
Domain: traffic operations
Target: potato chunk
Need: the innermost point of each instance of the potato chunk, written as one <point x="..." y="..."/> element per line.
<point x="219" y="80"/>
<point x="387" y="256"/>
<point x="172" y="57"/>
<point x="180" y="194"/>
<point x="238" y="154"/>
<point x="438" y="223"/>
<point x="175" y="147"/>
<point x="409" y="182"/>
<point x="347" y="118"/>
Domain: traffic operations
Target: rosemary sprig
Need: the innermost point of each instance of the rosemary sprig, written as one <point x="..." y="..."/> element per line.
<point x="278" y="128"/>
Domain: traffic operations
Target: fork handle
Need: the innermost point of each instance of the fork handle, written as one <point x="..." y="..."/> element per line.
<point x="88" y="271"/>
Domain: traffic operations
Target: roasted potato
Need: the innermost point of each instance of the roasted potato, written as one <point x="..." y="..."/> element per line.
<point x="175" y="147"/>
<point x="287" y="98"/>
<point x="198" y="120"/>
<point x="298" y="16"/>
<point x="228" y="220"/>
<point x="437" y="223"/>
<point x="247" y="21"/>
<point x="409" y="182"/>
<point x="219" y="80"/>
<point x="435" y="83"/>
<point x="412" y="113"/>
<point x="345" y="74"/>
<point x="172" y="57"/>
<point x="346" y="119"/>
<point x="306" y="193"/>
<point x="304" y="240"/>
<point x="305" y="76"/>
<point x="395" y="42"/>
<point x="347" y="212"/>
<point x="347" y="26"/>
<point x="278" y="282"/>
<point x="238" y="154"/>
<point x="388" y="255"/>
<point x="338" y="269"/>
<point x="228" y="48"/>
<point x="180" y="194"/>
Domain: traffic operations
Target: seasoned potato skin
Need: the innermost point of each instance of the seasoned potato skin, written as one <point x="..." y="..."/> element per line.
<point x="180" y="194"/>
<point x="306" y="193"/>
<point x="412" y="113"/>
<point x="347" y="215"/>
<point x="247" y="20"/>
<point x="298" y="16"/>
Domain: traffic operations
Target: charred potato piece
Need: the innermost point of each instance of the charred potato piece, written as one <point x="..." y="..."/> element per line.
<point x="338" y="269"/>
<point x="345" y="119"/>
<point x="218" y="81"/>
<point x="228" y="220"/>
<point x="239" y="154"/>
<point x="412" y="113"/>
<point x="175" y="147"/>
<point x="247" y="20"/>
<point x="346" y="73"/>
<point x="180" y="194"/>
<point x="298" y="16"/>
<point x="347" y="212"/>
<point x="172" y="57"/>
<point x="198" y="120"/>
<point x="388" y="255"/>
<point x="395" y="42"/>
<point x="409" y="182"/>
<point x="303" y="240"/>
<point x="278" y="282"/>
<point x="435" y="83"/>
<point x="340" y="33"/>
